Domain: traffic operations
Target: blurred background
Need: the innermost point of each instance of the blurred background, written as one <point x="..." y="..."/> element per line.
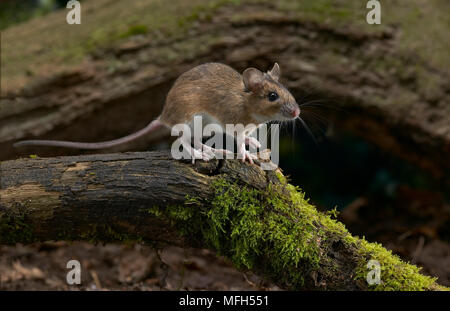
<point x="375" y="100"/>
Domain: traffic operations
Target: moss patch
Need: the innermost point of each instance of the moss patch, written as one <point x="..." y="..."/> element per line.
<point x="105" y="233"/>
<point x="13" y="229"/>
<point x="284" y="236"/>
<point x="62" y="46"/>
<point x="395" y="273"/>
<point x="135" y="30"/>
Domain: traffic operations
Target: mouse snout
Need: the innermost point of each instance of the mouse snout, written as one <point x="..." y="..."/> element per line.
<point x="295" y="112"/>
<point x="290" y="110"/>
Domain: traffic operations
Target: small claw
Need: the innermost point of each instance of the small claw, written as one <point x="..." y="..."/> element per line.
<point x="216" y="152"/>
<point x="224" y="151"/>
<point x="250" y="160"/>
<point x="252" y="157"/>
<point x="197" y="154"/>
<point x="194" y="156"/>
<point x="206" y="156"/>
<point x="252" y="142"/>
<point x="247" y="155"/>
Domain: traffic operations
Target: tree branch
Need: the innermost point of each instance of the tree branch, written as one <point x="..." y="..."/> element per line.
<point x="253" y="217"/>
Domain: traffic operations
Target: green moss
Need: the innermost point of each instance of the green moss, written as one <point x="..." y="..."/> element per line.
<point x="334" y="213"/>
<point x="251" y="228"/>
<point x="286" y="237"/>
<point x="113" y="22"/>
<point x="331" y="12"/>
<point x="104" y="233"/>
<point x="15" y="228"/>
<point x="281" y="177"/>
<point x="395" y="273"/>
<point x="134" y="30"/>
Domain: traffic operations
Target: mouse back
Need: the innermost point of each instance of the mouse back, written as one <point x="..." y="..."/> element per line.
<point x="214" y="89"/>
<point x="226" y="96"/>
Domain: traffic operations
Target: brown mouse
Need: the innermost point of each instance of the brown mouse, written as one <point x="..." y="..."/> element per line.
<point x="220" y="95"/>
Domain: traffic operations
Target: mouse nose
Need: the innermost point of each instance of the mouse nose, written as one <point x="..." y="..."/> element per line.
<point x="295" y="112"/>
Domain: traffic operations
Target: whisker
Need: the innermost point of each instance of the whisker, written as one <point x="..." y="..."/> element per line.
<point x="293" y="130"/>
<point x="308" y="130"/>
<point x="321" y="119"/>
<point x="321" y="105"/>
<point x="269" y="133"/>
<point x="316" y="127"/>
<point x="277" y="129"/>
<point x="309" y="91"/>
<point x="313" y="102"/>
<point x="319" y="130"/>
<point x="282" y="127"/>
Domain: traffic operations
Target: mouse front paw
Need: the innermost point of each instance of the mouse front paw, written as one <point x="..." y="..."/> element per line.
<point x="201" y="155"/>
<point x="252" y="142"/>
<point x="218" y="153"/>
<point x="244" y="155"/>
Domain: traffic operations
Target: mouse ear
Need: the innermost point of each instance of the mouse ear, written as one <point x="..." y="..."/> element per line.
<point x="275" y="73"/>
<point x="253" y="79"/>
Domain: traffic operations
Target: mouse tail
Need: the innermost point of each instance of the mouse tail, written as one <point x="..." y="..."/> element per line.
<point x="152" y="126"/>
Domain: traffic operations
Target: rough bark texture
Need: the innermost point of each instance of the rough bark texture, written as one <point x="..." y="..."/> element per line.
<point x="391" y="81"/>
<point x="131" y="197"/>
<point x="70" y="196"/>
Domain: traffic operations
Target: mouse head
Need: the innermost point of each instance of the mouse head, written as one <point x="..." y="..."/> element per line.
<point x="269" y="99"/>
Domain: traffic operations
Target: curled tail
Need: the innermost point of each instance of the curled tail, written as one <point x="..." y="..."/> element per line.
<point x="152" y="126"/>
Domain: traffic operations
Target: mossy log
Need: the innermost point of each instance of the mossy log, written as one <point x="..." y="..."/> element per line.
<point x="253" y="217"/>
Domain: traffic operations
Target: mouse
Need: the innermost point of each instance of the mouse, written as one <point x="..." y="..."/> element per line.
<point x="220" y="95"/>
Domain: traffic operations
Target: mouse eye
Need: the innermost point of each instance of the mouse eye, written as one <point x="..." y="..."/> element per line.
<point x="273" y="96"/>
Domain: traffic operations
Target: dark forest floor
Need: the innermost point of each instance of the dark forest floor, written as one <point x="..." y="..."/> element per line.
<point x="120" y="267"/>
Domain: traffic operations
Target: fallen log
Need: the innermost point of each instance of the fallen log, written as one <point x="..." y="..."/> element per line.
<point x="253" y="217"/>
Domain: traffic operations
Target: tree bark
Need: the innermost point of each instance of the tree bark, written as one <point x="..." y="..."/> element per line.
<point x="132" y="196"/>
